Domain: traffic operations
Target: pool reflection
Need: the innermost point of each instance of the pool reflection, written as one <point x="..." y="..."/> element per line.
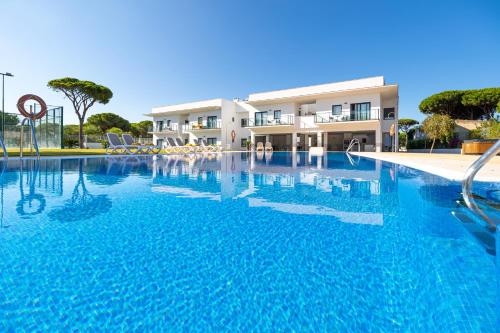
<point x="329" y="185"/>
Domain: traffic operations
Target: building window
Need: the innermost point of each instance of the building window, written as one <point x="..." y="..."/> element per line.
<point x="211" y="141"/>
<point x="168" y="123"/>
<point x="260" y="118"/>
<point x="212" y="122"/>
<point x="244" y="122"/>
<point x="360" y="111"/>
<point x="233" y="119"/>
<point x="200" y="121"/>
<point x="244" y="142"/>
<point x="159" y="126"/>
<point x="388" y="113"/>
<point x="159" y="142"/>
<point x="336" y="110"/>
<point x="277" y="114"/>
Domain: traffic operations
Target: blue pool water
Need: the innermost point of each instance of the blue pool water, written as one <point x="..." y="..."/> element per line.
<point x="237" y="242"/>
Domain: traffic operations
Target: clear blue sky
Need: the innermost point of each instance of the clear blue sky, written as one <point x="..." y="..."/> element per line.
<point x="155" y="53"/>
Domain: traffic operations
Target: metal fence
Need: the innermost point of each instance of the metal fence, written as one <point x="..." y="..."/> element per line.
<point x="49" y="128"/>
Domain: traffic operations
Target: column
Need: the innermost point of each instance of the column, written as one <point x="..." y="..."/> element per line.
<point x="294" y="142"/>
<point x="252" y="140"/>
<point x="319" y="136"/>
<point x="378" y="140"/>
<point x="268" y="138"/>
<point x="325" y="141"/>
<point x="306" y="142"/>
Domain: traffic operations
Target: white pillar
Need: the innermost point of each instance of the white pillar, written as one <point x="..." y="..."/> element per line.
<point x="319" y="139"/>
<point x="252" y="141"/>
<point x="378" y="140"/>
<point x="268" y="138"/>
<point x="325" y="141"/>
<point x="294" y="142"/>
<point x="306" y="142"/>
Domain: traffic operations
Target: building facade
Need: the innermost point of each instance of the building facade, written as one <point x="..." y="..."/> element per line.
<point x="328" y="116"/>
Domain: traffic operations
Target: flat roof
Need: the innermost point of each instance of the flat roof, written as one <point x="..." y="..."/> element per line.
<point x="376" y="83"/>
<point x="205" y="105"/>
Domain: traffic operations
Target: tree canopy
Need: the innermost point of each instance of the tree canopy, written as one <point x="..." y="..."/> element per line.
<point x="10" y="118"/>
<point x="438" y="127"/>
<point x="141" y="128"/>
<point x="404" y="125"/>
<point x="462" y="104"/>
<point x="115" y="130"/>
<point x="105" y="121"/>
<point x="486" y="100"/>
<point x="83" y="95"/>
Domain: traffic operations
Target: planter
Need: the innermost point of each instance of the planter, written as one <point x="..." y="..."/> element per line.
<point x="476" y="146"/>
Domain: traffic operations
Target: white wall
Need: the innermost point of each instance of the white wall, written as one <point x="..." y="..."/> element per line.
<point x="325" y="104"/>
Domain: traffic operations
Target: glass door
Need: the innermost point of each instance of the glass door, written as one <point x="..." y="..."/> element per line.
<point x="260" y="118"/>
<point x="360" y="111"/>
<point x="212" y="122"/>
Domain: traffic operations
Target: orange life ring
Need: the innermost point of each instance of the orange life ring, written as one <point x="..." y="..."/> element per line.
<point x="33" y="116"/>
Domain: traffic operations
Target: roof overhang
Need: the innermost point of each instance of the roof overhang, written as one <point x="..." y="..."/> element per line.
<point x="185" y="108"/>
<point x="310" y="96"/>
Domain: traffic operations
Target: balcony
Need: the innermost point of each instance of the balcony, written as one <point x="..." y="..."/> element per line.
<point x="205" y="125"/>
<point x="173" y="128"/>
<point x="328" y="117"/>
<point x="285" y="120"/>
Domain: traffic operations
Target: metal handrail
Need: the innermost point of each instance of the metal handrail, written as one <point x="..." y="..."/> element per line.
<point x="469" y="177"/>
<point x="351" y="144"/>
<point x="33" y="137"/>
<point x="5" y="153"/>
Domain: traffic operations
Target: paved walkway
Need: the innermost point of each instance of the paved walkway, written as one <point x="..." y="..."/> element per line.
<point x="451" y="166"/>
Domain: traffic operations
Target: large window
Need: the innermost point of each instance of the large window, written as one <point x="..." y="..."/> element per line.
<point x="277" y="114"/>
<point x="244" y="142"/>
<point x="337" y="110"/>
<point x="360" y="111"/>
<point x="260" y="118"/>
<point x="200" y="121"/>
<point x="388" y="113"/>
<point x="212" y="122"/>
<point x="211" y="141"/>
<point x="159" y="125"/>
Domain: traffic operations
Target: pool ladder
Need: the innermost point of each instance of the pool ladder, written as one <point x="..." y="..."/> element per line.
<point x="351" y="145"/>
<point x="482" y="226"/>
<point x="2" y="145"/>
<point x="469" y="177"/>
<point x="34" y="141"/>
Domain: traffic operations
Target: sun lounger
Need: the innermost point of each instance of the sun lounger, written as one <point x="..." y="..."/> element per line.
<point x="116" y="146"/>
<point x="269" y="146"/>
<point x="129" y="140"/>
<point x="260" y="146"/>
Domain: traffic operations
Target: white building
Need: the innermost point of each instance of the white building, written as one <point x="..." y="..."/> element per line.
<point x="327" y="115"/>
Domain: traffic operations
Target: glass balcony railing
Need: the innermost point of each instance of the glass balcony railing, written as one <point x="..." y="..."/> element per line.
<point x="268" y="121"/>
<point x="164" y="129"/>
<point x="328" y="117"/>
<point x="205" y="125"/>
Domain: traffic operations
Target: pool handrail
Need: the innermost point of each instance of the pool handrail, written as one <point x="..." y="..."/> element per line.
<point x="351" y="144"/>
<point x="34" y="141"/>
<point x="469" y="177"/>
<point x="2" y="145"/>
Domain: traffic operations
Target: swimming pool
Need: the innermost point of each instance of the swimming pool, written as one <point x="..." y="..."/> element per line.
<point x="238" y="242"/>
